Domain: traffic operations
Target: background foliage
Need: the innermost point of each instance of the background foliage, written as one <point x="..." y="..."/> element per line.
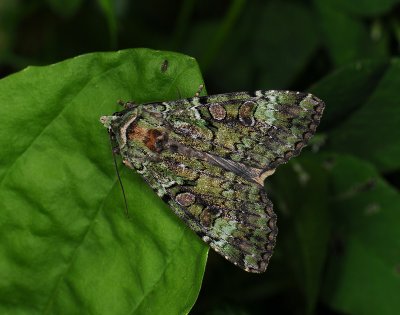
<point x="65" y="243"/>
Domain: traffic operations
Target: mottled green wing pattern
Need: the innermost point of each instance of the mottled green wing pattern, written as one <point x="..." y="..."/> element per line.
<point x="229" y="212"/>
<point x="207" y="157"/>
<point x="261" y="129"/>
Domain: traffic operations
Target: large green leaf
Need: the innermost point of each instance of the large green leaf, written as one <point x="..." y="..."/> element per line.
<point x="362" y="111"/>
<point x="66" y="246"/>
<point x="363" y="275"/>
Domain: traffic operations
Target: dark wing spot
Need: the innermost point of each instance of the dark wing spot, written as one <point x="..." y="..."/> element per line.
<point x="217" y="111"/>
<point x="246" y="113"/>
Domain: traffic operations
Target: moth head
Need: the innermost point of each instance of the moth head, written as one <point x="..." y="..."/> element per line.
<point x="118" y="124"/>
<point x="107" y="121"/>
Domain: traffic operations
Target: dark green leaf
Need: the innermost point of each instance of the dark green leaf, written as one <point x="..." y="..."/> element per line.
<point x="66" y="8"/>
<point x="347" y="89"/>
<point x="108" y="8"/>
<point x="222" y="31"/>
<point x="363" y="112"/>
<point x="284" y="40"/>
<point x="349" y="38"/>
<point x="300" y="191"/>
<point x="366" y="7"/>
<point x="363" y="275"/>
<point x="67" y="247"/>
<point x="9" y="18"/>
<point x="275" y="40"/>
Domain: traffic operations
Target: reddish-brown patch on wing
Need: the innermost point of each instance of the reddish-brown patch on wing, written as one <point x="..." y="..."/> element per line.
<point x="151" y="139"/>
<point x="155" y="140"/>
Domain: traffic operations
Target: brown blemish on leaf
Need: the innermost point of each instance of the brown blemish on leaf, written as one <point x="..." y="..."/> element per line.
<point x="164" y="66"/>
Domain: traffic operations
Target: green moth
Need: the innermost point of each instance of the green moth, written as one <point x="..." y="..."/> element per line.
<point x="208" y="157"/>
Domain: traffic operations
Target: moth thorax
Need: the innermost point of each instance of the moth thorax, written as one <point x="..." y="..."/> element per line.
<point x="154" y="139"/>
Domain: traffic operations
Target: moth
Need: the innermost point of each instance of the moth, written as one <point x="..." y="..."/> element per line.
<point x="207" y="157"/>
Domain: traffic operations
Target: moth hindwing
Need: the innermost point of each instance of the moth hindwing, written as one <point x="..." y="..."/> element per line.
<point x="208" y="156"/>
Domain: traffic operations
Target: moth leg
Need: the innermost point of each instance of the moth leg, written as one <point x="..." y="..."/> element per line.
<point x="197" y="94"/>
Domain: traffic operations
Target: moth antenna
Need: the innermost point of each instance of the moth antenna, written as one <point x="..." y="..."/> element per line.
<point x="119" y="179"/>
<point x="122" y="187"/>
